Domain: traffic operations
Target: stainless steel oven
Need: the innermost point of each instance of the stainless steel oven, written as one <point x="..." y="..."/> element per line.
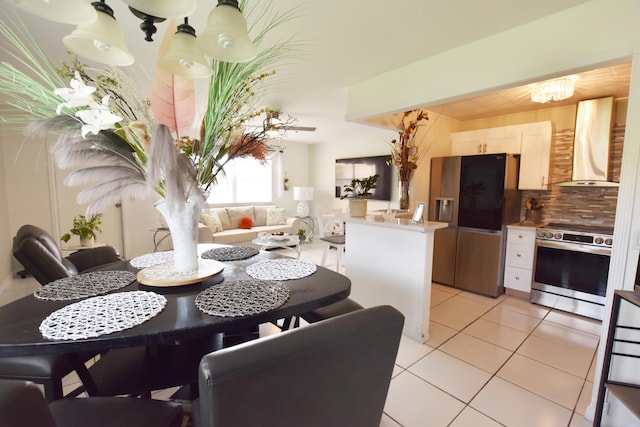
<point x="571" y="268"/>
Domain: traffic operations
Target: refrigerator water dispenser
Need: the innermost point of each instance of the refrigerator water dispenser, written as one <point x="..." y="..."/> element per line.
<point x="444" y="209"/>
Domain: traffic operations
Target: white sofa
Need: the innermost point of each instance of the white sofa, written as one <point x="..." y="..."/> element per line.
<point x="222" y="224"/>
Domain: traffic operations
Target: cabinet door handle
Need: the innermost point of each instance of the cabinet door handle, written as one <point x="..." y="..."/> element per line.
<point x="517" y="277"/>
<point x="480" y="148"/>
<point x="519" y="255"/>
<point x="520" y="236"/>
<point x="543" y="177"/>
<point x="484" y="148"/>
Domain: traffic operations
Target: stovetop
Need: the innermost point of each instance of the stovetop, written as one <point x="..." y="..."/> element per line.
<point x="578" y="228"/>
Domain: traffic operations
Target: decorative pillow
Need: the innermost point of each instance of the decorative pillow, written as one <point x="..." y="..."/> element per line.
<point x="260" y="215"/>
<point x="211" y="220"/>
<point x="224" y="217"/>
<point x="245" y="223"/>
<point x="238" y="212"/>
<point x="275" y="216"/>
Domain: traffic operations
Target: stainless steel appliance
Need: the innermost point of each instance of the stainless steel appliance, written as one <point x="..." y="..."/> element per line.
<point x="477" y="196"/>
<point x="571" y="268"/>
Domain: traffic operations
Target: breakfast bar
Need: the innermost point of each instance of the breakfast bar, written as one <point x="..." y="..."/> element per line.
<point x="389" y="262"/>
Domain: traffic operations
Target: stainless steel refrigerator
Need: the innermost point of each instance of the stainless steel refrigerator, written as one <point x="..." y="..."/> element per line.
<point x="477" y="196"/>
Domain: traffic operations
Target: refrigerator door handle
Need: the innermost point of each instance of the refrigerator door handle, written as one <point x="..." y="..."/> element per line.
<point x="480" y="230"/>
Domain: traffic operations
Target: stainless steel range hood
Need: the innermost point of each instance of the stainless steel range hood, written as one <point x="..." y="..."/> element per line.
<point x="591" y="144"/>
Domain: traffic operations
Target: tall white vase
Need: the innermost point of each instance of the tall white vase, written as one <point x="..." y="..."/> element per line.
<point x="183" y="225"/>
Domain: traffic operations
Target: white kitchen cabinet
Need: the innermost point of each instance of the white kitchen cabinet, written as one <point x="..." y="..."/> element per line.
<point x="505" y="139"/>
<point x="518" y="268"/>
<point x="535" y="156"/>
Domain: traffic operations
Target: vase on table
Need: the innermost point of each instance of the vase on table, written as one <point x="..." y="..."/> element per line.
<point x="183" y="222"/>
<point x="403" y="190"/>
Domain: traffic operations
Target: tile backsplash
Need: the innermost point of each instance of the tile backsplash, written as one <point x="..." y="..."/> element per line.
<point x="587" y="206"/>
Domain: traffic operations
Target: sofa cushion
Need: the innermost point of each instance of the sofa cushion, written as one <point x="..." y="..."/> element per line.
<point x="212" y="220"/>
<point x="224" y="217"/>
<point x="260" y="215"/>
<point x="245" y="223"/>
<point x="238" y="212"/>
<point x="275" y="216"/>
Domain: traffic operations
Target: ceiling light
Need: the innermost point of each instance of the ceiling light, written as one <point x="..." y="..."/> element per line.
<point x="273" y="127"/>
<point x="66" y="11"/>
<point x="164" y="8"/>
<point x="226" y="37"/>
<point x="101" y="40"/>
<point x="184" y="57"/>
<point x="553" y="90"/>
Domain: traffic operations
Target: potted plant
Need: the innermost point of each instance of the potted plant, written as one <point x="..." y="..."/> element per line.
<point x="356" y="192"/>
<point x="85" y="228"/>
<point x="302" y="235"/>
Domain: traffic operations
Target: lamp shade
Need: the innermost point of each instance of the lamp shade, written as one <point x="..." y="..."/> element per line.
<point x="65" y="11"/>
<point x="303" y="193"/>
<point x="101" y="40"/>
<point x="164" y="8"/>
<point x="184" y="57"/>
<point x="226" y="37"/>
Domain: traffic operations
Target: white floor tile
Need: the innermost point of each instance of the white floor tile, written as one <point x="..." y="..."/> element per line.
<point x="512" y="319"/>
<point x="499" y="335"/>
<point x="412" y="402"/>
<point x="450" y="374"/>
<point x="451" y="318"/>
<point x="551" y="383"/>
<point x="570" y="358"/>
<point x="578" y="420"/>
<point x="472" y="418"/>
<point x="585" y="398"/>
<point x="561" y="334"/>
<point x="438" y="296"/>
<point x="438" y="334"/>
<point x="473" y="306"/>
<point x="573" y="321"/>
<point x="477" y="352"/>
<point x="410" y="351"/>
<point x="524" y="307"/>
<point x="514" y="406"/>
<point x="386" y="421"/>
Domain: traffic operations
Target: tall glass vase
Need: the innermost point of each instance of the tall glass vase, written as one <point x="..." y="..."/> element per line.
<point x="183" y="225"/>
<point x="403" y="190"/>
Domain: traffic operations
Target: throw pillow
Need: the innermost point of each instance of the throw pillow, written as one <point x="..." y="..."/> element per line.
<point x="211" y="220"/>
<point x="238" y="212"/>
<point x="245" y="223"/>
<point x="275" y="216"/>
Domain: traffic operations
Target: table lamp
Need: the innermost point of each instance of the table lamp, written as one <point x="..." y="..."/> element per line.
<point x="302" y="195"/>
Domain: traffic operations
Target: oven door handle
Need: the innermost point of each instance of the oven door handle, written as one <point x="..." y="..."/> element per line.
<point x="575" y="247"/>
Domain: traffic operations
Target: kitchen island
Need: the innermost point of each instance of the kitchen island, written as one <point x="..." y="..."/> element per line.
<point x="389" y="262"/>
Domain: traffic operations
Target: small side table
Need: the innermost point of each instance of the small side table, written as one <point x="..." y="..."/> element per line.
<point x="290" y="243"/>
<point x="305" y="222"/>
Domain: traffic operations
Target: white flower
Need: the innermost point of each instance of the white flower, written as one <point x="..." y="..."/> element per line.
<point x="79" y="95"/>
<point x="96" y="120"/>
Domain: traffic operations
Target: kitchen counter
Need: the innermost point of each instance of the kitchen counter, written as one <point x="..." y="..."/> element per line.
<point x="389" y="262"/>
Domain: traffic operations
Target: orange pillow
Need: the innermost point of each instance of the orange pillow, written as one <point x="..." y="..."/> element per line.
<point x="245" y="223"/>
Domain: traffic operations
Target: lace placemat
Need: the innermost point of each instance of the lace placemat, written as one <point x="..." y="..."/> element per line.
<point x="242" y="298"/>
<point x="154" y="258"/>
<point x="102" y="315"/>
<point x="281" y="269"/>
<point x="230" y="253"/>
<point x="85" y="285"/>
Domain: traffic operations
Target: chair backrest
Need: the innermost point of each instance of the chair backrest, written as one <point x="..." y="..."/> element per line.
<point x="329" y="225"/>
<point x="22" y="404"/>
<point x="334" y="372"/>
<point x="40" y="255"/>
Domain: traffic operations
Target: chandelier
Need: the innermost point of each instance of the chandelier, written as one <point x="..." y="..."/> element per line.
<point x="98" y="36"/>
<point x="553" y="90"/>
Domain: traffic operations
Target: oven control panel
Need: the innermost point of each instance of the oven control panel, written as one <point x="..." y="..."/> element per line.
<point x="584" y="238"/>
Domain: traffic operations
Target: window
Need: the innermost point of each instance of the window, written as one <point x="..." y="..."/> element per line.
<point x="246" y="181"/>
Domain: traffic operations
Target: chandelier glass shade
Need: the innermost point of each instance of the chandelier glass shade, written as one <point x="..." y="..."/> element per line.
<point x="65" y="11"/>
<point x="184" y="57"/>
<point x="226" y="37"/>
<point x="101" y="40"/>
<point x="553" y="90"/>
<point x="164" y="8"/>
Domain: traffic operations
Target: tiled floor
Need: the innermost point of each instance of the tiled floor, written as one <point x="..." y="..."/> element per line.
<point x="489" y="362"/>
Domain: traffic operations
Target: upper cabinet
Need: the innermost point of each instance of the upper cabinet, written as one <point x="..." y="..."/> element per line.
<point x="505" y="139"/>
<point x="532" y="141"/>
<point x="535" y="156"/>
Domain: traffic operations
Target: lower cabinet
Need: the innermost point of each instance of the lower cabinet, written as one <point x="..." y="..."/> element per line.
<point x="518" y="268"/>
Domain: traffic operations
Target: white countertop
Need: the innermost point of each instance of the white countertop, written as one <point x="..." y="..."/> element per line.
<point x="400" y="223"/>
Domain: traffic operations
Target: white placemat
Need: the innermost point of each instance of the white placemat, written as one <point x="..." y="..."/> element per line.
<point x="154" y="258"/>
<point x="281" y="269"/>
<point x="85" y="285"/>
<point x="242" y="297"/>
<point x="102" y="315"/>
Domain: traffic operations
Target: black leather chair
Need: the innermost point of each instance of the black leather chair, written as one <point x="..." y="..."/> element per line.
<point x="40" y="255"/>
<point x="331" y="373"/>
<point x="22" y="405"/>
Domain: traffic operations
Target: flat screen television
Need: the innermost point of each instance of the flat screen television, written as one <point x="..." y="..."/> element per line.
<point x="362" y="167"/>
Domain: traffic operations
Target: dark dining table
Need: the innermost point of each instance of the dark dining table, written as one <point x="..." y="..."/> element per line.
<point x="179" y="320"/>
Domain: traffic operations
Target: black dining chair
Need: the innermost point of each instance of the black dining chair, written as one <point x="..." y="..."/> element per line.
<point x="23" y="405"/>
<point x="335" y="372"/>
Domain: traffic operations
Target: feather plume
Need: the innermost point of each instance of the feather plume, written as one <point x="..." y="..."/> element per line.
<point x="172" y="97"/>
<point x="168" y="168"/>
<point x="107" y="193"/>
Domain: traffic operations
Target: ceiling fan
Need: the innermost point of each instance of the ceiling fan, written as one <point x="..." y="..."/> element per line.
<point x="274" y="126"/>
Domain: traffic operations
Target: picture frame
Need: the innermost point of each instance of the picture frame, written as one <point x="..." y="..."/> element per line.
<point x="418" y="214"/>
